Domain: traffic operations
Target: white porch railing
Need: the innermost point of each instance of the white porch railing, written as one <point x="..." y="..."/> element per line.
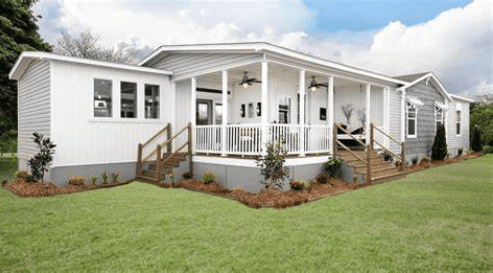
<point x="246" y="139"/>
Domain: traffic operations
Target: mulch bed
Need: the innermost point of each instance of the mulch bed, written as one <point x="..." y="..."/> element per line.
<point x="22" y="188"/>
<point x="431" y="164"/>
<point x="268" y="197"/>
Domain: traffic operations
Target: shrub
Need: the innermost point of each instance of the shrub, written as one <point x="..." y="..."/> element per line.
<point x="272" y="166"/>
<point x="414" y="160"/>
<point x="460" y="151"/>
<point x="488" y="150"/>
<point x="332" y="166"/>
<point x="439" y="148"/>
<point x="476" y="144"/>
<point x="172" y="176"/>
<point x="425" y="160"/>
<point x="387" y="156"/>
<point x="76" y="180"/>
<point x="208" y="177"/>
<point x="104" y="176"/>
<point x="21" y="175"/>
<point x="297" y="184"/>
<point x="187" y="175"/>
<point x="321" y="178"/>
<point x="114" y="177"/>
<point x="93" y="179"/>
<point x="39" y="163"/>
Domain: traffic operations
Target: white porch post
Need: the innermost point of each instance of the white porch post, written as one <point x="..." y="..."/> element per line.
<point x="403" y="115"/>
<point x="368" y="112"/>
<point x="330" y="111"/>
<point x="385" y="116"/>
<point x="174" y="125"/>
<point x="193" y="111"/>
<point x="302" y="112"/>
<point x="264" y="124"/>
<point x="224" y="112"/>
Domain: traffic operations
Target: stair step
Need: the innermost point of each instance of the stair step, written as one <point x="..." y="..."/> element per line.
<point x="147" y="178"/>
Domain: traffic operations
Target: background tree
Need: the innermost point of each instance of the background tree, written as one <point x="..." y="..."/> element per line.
<point x="476" y="144"/>
<point x="85" y="45"/>
<point x="439" y="148"/>
<point x="18" y="32"/>
<point x="482" y="115"/>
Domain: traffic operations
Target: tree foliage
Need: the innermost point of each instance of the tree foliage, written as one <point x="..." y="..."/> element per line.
<point x="18" y="32"/>
<point x="439" y="148"/>
<point x="476" y="144"/>
<point x="482" y="115"/>
<point x="85" y="45"/>
<point x="39" y="163"/>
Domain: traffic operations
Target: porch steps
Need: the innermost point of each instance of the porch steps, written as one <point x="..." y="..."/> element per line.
<point x="380" y="169"/>
<point x="166" y="167"/>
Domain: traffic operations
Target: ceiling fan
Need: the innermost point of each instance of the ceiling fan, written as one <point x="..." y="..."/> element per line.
<point x="245" y="82"/>
<point x="314" y="85"/>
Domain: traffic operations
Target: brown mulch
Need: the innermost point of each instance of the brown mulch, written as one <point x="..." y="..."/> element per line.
<point x="268" y="197"/>
<point x="22" y="188"/>
<point x="430" y="164"/>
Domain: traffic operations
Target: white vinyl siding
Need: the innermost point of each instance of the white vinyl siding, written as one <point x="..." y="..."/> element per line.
<point x="33" y="108"/>
<point x="394" y="119"/>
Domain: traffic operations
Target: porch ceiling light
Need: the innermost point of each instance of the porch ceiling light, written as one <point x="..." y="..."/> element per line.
<point x="314" y="85"/>
<point x="245" y="81"/>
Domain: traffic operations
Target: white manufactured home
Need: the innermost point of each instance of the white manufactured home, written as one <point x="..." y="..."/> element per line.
<point x="214" y="107"/>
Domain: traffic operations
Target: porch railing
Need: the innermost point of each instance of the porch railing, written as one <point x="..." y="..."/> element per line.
<point x="246" y="139"/>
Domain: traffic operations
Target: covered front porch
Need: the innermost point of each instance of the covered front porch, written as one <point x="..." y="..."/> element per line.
<point x="236" y="111"/>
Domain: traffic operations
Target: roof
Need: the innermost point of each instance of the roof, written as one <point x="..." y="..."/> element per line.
<point x="455" y="97"/>
<point x="427" y="76"/>
<point x="28" y="56"/>
<point x="263" y="47"/>
<point x="411" y="77"/>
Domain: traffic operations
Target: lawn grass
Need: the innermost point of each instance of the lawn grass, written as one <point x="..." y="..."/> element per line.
<point x="8" y="165"/>
<point x="438" y="219"/>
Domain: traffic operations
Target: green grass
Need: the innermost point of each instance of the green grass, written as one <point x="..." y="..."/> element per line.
<point x="8" y="165"/>
<point x="438" y="219"/>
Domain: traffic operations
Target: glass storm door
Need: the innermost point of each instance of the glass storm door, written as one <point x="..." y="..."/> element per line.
<point x="204" y="112"/>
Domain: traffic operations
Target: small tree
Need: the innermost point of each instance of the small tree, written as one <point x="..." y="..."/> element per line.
<point x="439" y="148"/>
<point x="39" y="163"/>
<point x="476" y="144"/>
<point x="347" y="110"/>
<point x="272" y="165"/>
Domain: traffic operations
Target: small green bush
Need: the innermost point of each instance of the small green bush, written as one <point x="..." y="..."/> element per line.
<point x="460" y="151"/>
<point x="208" y="177"/>
<point x="488" y="150"/>
<point x="114" y="177"/>
<point x="187" y="175"/>
<point x="76" y="180"/>
<point x="172" y="176"/>
<point x="21" y="175"/>
<point x="439" y="149"/>
<point x="104" y="176"/>
<point x="39" y="163"/>
<point x="93" y="179"/>
<point x="332" y="166"/>
<point x="321" y="178"/>
<point x="387" y="156"/>
<point x="414" y="160"/>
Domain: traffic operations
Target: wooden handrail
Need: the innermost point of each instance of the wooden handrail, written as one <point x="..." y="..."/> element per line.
<point x="156" y="135"/>
<point x="387" y="150"/>
<point x="349" y="150"/>
<point x="175" y="136"/>
<point x="398" y="142"/>
<point x="344" y="130"/>
<point x="175" y="152"/>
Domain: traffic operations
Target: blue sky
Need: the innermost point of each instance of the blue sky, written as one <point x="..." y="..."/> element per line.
<point x="451" y="38"/>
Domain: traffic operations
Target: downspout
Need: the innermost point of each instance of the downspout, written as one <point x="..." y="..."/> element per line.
<point x="403" y="114"/>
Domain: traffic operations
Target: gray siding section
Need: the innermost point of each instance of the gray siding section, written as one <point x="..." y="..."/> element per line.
<point x="181" y="63"/>
<point x="33" y="108"/>
<point x="395" y="120"/>
<point x="426" y="120"/>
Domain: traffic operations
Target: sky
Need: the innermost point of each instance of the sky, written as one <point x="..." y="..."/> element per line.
<point x="453" y="39"/>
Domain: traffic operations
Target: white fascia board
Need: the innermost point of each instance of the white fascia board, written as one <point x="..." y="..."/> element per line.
<point x="455" y="97"/>
<point x="442" y="90"/>
<point x="17" y="70"/>
<point x="266" y="47"/>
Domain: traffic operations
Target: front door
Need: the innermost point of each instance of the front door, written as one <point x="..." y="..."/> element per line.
<point x="204" y="112"/>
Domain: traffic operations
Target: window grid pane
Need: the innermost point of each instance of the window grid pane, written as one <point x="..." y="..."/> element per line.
<point x="128" y="100"/>
<point x="151" y="101"/>
<point x="102" y="98"/>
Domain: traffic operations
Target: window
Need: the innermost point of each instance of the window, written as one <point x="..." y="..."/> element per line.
<point x="218" y="113"/>
<point x="411" y="120"/>
<point x="103" y="92"/>
<point x="284" y="110"/>
<point x="151" y="101"/>
<point x="128" y="100"/>
<point x="458" y="120"/>
<point x="438" y="116"/>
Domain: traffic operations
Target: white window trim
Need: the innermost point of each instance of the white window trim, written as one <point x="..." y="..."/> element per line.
<point x="415" y="121"/>
<point x="116" y="100"/>
<point x="436" y="116"/>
